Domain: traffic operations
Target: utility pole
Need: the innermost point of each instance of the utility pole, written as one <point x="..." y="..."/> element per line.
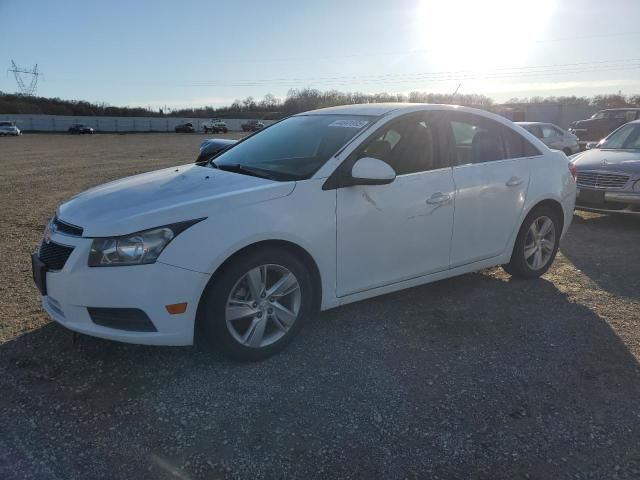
<point x="18" y="72"/>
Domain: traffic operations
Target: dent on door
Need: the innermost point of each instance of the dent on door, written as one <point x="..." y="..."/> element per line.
<point x="390" y="233"/>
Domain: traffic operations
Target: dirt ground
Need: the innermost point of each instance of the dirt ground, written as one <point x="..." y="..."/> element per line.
<point x="477" y="377"/>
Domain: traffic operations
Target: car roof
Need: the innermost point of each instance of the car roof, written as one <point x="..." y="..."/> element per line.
<point x="220" y="141"/>
<point x="618" y="109"/>
<point x="381" y="109"/>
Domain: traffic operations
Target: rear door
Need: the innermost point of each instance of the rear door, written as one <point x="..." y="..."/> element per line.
<point x="491" y="176"/>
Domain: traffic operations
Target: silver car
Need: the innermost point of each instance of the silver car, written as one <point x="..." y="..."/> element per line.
<point x="608" y="176"/>
<point x="553" y="136"/>
<point x="9" y="128"/>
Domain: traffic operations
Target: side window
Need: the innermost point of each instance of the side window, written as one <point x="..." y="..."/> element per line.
<point x="535" y="129"/>
<point x="548" y="131"/>
<point x="620" y="115"/>
<point x="475" y="139"/>
<point x="630" y="115"/>
<point x="517" y="146"/>
<point x="409" y="145"/>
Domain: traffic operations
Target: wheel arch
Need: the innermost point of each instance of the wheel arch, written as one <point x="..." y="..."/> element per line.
<point x="292" y="247"/>
<point x="551" y="203"/>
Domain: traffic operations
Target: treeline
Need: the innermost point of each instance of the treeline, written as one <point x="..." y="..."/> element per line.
<point x="296" y="101"/>
<point x="598" y="101"/>
<point x="271" y="107"/>
<point x="16" y="103"/>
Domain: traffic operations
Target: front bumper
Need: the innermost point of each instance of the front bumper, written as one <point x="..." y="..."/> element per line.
<point x="621" y="202"/>
<point x="77" y="287"/>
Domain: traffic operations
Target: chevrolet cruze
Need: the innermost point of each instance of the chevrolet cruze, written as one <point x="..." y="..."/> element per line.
<point x="318" y="210"/>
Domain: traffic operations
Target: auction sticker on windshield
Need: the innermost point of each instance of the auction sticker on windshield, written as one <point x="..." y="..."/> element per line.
<point x="349" y="123"/>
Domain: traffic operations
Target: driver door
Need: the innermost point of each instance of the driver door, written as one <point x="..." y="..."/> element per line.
<point x="402" y="230"/>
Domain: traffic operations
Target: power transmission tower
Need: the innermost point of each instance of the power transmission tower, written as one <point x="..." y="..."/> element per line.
<point x="18" y="72"/>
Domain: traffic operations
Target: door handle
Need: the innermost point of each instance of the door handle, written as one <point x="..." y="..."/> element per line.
<point x="438" y="198"/>
<point x="514" y="182"/>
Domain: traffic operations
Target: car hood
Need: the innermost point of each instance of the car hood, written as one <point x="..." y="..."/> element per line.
<point x="163" y="197"/>
<point x="627" y="161"/>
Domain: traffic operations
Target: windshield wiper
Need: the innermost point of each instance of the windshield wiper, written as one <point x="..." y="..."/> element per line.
<point x="245" y="170"/>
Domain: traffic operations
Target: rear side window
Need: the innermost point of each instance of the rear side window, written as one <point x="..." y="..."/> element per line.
<point x="475" y="139"/>
<point x="548" y="131"/>
<point x="535" y="130"/>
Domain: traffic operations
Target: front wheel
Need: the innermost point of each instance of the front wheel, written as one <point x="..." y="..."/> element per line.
<point x="536" y="245"/>
<point x="257" y="304"/>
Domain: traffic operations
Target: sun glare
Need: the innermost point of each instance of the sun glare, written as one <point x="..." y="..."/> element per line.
<point x="480" y="34"/>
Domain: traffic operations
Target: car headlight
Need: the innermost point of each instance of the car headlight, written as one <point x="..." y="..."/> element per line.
<point x="136" y="249"/>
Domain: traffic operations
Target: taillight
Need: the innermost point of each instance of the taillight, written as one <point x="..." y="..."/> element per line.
<point x="573" y="170"/>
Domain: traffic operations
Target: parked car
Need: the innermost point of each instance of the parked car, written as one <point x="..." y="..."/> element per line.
<point x="252" y="126"/>
<point x="210" y="148"/>
<point x="553" y="136"/>
<point x="609" y="174"/>
<point x="602" y="123"/>
<point x="80" y="129"/>
<point x="215" y="126"/>
<point x="185" y="128"/>
<point x="9" y="128"/>
<point x="320" y="210"/>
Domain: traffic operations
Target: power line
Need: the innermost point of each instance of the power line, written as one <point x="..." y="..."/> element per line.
<point x="314" y="58"/>
<point x="530" y="71"/>
<point x="512" y="72"/>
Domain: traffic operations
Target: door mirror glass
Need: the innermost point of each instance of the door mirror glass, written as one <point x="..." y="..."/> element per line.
<point x="371" y="171"/>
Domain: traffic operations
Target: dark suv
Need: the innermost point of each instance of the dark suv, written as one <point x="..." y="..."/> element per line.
<point x="185" y="128"/>
<point x="79" y="128"/>
<point x="252" y="126"/>
<point x="602" y="123"/>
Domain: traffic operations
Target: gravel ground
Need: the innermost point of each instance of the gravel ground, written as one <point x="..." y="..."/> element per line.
<point x="477" y="377"/>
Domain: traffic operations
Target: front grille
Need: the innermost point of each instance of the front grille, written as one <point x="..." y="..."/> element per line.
<point x="601" y="180"/>
<point x="53" y="255"/>
<point x="66" y="228"/>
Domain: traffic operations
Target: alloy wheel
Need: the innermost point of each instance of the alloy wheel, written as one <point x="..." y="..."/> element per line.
<point x="263" y="305"/>
<point x="540" y="242"/>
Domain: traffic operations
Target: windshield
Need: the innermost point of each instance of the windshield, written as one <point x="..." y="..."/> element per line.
<point x="295" y="148"/>
<point x="625" y="138"/>
<point x="599" y="115"/>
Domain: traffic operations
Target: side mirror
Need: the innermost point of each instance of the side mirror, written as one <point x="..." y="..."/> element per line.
<point x="371" y="171"/>
<point x="591" y="145"/>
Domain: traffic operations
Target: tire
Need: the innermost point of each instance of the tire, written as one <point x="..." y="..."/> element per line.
<point x="537" y="263"/>
<point x="225" y="131"/>
<point x="260" y="321"/>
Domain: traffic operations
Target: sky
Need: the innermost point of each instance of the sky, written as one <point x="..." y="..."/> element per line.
<point x="197" y="53"/>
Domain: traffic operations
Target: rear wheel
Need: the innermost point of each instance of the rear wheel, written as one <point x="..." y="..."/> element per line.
<point x="257" y="304"/>
<point x="536" y="245"/>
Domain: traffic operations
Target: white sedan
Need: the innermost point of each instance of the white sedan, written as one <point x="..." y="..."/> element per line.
<point x="316" y="211"/>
